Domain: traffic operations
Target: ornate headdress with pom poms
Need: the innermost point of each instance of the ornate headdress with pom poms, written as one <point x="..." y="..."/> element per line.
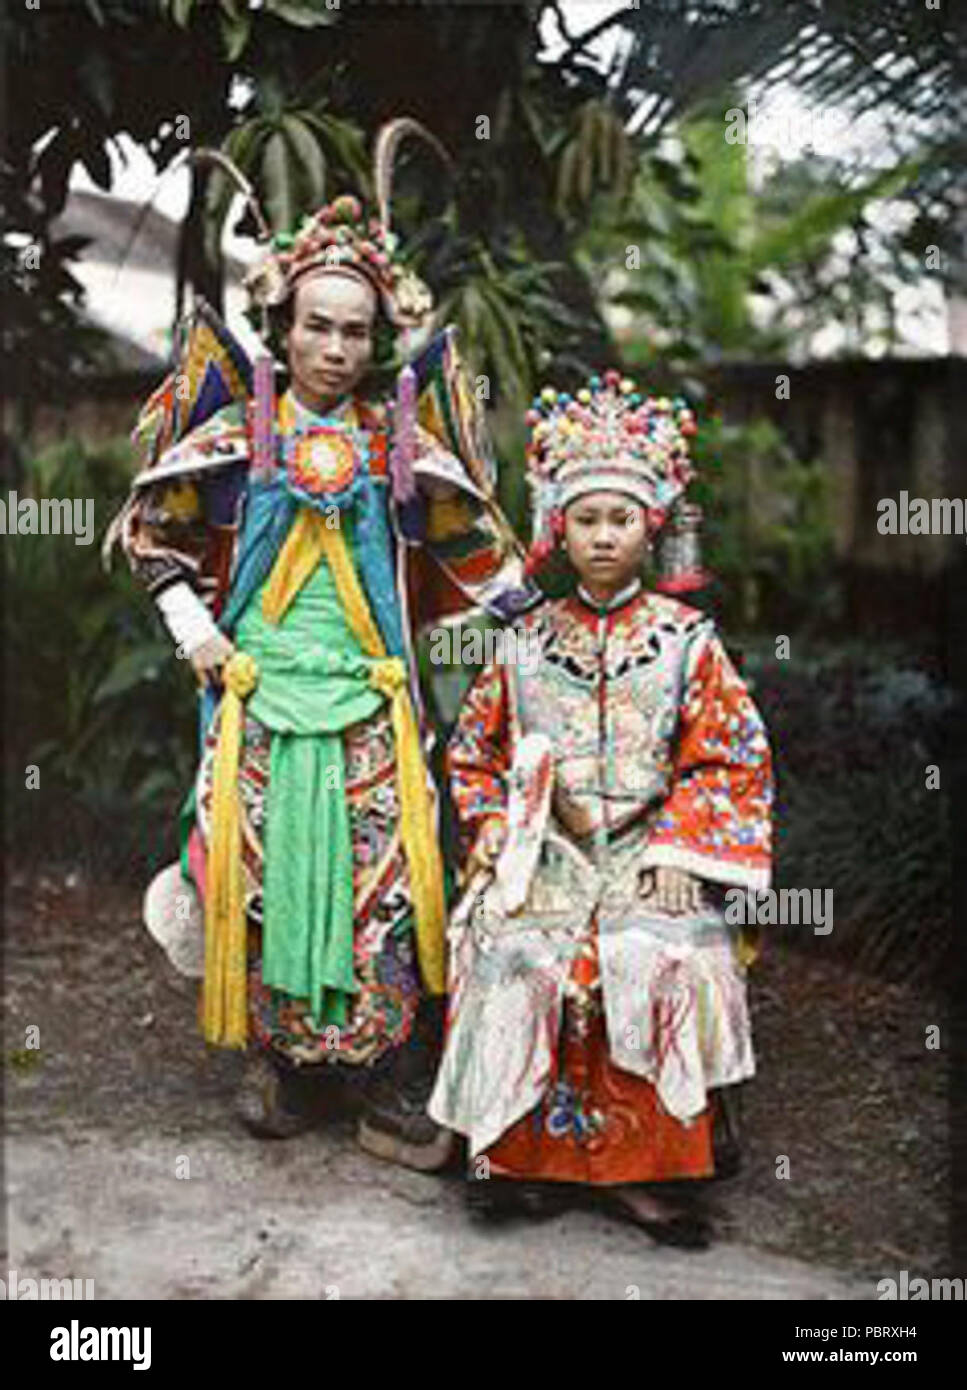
<point x="608" y="437"/>
<point x="341" y="237"/>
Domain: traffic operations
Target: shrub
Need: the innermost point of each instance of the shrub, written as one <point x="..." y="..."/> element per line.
<point x="854" y="728"/>
<point x="94" y="695"/>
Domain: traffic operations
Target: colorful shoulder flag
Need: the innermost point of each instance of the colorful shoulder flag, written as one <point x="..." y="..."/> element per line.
<point x="210" y="371"/>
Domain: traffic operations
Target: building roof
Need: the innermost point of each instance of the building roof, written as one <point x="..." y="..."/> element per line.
<point x="128" y="274"/>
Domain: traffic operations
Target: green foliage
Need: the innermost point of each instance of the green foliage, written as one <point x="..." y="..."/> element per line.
<point x="95" y="696"/>
<point x="768" y="534"/>
<point x="820" y="257"/>
<point x="508" y="314"/>
<point x="293" y="155"/>
<point x="853" y="728"/>
<point x="709" y="244"/>
<point x="273" y="87"/>
<point x="40" y="336"/>
<point x="596" y="154"/>
<point x="235" y="17"/>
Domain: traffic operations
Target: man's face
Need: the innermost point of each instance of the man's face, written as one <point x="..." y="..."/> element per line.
<point x="330" y="343"/>
<point x="606" y="537"/>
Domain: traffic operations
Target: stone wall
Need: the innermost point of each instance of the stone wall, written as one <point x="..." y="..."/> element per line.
<point x="882" y="427"/>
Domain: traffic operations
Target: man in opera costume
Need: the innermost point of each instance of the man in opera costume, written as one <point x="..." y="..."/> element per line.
<point x="610" y="791"/>
<point x="295" y="548"/>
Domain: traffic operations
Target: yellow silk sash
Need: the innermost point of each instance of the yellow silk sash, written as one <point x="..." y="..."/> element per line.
<point x="223" y="993"/>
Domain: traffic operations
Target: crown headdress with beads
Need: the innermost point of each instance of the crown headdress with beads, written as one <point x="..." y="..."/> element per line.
<point x="607" y="437"/>
<point x="341" y="237"/>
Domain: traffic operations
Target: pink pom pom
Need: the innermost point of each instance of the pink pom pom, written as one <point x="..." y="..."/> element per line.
<point x="263" y="444"/>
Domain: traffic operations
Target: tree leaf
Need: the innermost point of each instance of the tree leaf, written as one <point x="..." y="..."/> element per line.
<point x="309" y="155"/>
<point x="95" y="161"/>
<point x="343" y="138"/>
<point x="181" y="12"/>
<point x="54" y="166"/>
<point x="277" y="173"/>
<point x="305" y="14"/>
<point x="133" y="668"/>
<point x="235" y="35"/>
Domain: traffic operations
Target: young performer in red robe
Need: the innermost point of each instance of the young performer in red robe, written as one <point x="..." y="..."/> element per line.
<point x="611" y="784"/>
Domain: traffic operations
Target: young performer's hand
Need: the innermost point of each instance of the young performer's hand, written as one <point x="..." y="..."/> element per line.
<point x="671" y="890"/>
<point x="208" y="659"/>
<point x="485" y="850"/>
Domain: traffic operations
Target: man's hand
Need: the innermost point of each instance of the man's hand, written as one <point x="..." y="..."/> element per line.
<point x="208" y="659"/>
<point x="670" y="890"/>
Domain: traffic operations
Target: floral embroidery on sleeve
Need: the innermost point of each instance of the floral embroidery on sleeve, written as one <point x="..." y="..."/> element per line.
<point x="478" y="762"/>
<point x="716" y="821"/>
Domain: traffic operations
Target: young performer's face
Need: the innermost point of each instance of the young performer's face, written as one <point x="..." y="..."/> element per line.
<point x="606" y="538"/>
<point x="330" y="343"/>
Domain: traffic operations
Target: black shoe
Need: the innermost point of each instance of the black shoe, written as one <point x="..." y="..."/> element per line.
<point x="266" y="1102"/>
<point x="394" y="1124"/>
<point x="689" y="1230"/>
<point x="489" y="1200"/>
<point x="728" y="1161"/>
<point x="493" y="1200"/>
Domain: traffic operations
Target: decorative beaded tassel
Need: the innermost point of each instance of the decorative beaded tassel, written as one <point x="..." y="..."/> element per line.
<point x="263" y="451"/>
<point x="404" y="436"/>
<point x="679" y="552"/>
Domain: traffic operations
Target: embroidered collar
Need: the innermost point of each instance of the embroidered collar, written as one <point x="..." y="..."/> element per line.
<point x="617" y="600"/>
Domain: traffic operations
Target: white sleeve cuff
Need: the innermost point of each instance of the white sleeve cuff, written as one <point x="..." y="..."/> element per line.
<point x="707" y="866"/>
<point x="186" y="617"/>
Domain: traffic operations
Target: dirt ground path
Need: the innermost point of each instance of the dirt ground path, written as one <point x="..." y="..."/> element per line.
<point x="121" y="1090"/>
<point x="319" y="1219"/>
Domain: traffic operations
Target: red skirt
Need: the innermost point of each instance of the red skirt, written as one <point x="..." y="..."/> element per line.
<point x="597" y="1123"/>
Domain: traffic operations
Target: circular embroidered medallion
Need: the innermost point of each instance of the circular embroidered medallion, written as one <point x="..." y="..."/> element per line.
<point x="324" y="460"/>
